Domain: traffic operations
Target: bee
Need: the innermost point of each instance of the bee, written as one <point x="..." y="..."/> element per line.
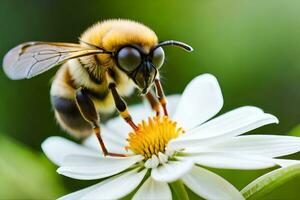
<point x="112" y="58"/>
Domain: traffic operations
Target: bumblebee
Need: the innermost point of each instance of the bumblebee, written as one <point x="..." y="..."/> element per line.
<point x="112" y="58"/>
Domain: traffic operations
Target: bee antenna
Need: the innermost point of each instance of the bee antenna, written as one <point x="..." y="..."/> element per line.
<point x="95" y="46"/>
<point x="181" y="45"/>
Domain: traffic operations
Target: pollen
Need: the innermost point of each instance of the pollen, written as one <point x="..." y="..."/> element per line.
<point x="152" y="136"/>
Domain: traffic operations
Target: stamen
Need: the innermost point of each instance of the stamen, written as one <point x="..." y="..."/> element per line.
<point x="152" y="137"/>
<point x="152" y="162"/>
<point x="162" y="158"/>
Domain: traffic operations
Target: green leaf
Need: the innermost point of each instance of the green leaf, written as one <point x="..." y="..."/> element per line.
<point x="26" y="174"/>
<point x="270" y="181"/>
<point x="179" y="191"/>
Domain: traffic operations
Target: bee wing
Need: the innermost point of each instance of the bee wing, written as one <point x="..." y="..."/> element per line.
<point x="33" y="58"/>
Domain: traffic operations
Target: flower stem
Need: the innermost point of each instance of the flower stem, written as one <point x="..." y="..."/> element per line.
<point x="179" y="191"/>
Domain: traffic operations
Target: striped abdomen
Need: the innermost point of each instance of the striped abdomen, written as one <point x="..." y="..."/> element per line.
<point x="72" y="76"/>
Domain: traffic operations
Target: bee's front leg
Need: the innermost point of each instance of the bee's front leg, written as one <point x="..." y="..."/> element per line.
<point x="155" y="105"/>
<point x="121" y="106"/>
<point x="89" y="113"/>
<point x="161" y="95"/>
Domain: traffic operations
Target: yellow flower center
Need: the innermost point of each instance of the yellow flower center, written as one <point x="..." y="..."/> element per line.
<point x="153" y="136"/>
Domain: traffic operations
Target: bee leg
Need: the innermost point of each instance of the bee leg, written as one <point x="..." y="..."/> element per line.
<point x="89" y="113"/>
<point x="121" y="106"/>
<point x="161" y="96"/>
<point x="153" y="102"/>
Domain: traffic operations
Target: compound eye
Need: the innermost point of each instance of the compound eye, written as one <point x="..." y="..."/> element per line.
<point x="158" y="57"/>
<point x="129" y="58"/>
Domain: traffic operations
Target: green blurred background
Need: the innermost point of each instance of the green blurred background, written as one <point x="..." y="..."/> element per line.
<point x="252" y="47"/>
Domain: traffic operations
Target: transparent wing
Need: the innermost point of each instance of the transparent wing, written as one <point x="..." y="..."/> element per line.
<point x="33" y="58"/>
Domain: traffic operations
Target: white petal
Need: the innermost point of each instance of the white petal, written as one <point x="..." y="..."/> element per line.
<point x="92" y="167"/>
<point x="230" y="124"/>
<point x="152" y="162"/>
<point x="153" y="190"/>
<point x="112" y="140"/>
<point x="247" y="116"/>
<point x="80" y="193"/>
<point x="201" y="100"/>
<point x="120" y="127"/>
<point x="117" y="186"/>
<point x="162" y="158"/>
<point x="112" y="188"/>
<point x="172" y="102"/>
<point x="56" y="148"/>
<point x="264" y="145"/>
<point x="171" y="171"/>
<point x="209" y="185"/>
<point x="286" y="162"/>
<point x="230" y="160"/>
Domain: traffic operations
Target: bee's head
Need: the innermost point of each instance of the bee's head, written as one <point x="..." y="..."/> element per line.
<point x="142" y="67"/>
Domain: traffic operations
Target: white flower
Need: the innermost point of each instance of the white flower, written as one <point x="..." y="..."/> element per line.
<point x="162" y="152"/>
